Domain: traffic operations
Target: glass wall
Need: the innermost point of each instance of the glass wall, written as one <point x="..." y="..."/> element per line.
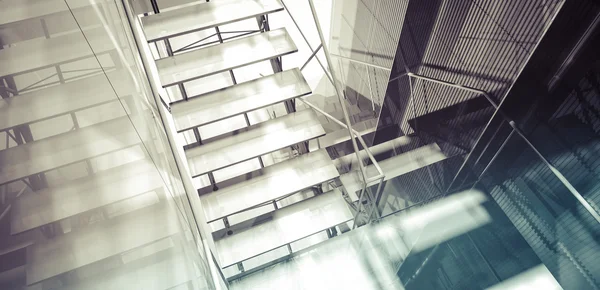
<point x="94" y="195"/>
<point x="544" y="210"/>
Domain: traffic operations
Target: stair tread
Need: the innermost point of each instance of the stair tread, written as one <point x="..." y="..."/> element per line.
<point x="254" y="141"/>
<point x="223" y="57"/>
<point x="289" y="224"/>
<point x="396" y="166"/>
<point x="239" y="99"/>
<point x="84" y="194"/>
<point x="274" y="182"/>
<point x="199" y="16"/>
<point x="54" y="51"/>
<point x="62" y="99"/>
<point x="67" y="148"/>
<point x="100" y="241"/>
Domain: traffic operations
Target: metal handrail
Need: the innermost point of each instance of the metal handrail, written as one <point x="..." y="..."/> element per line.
<point x="345" y="111"/>
<point x="358" y="135"/>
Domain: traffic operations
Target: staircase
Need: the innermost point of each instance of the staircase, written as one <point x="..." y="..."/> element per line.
<point x="264" y="215"/>
<point x="69" y="221"/>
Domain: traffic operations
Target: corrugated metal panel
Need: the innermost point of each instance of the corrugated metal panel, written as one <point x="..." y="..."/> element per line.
<point x="482" y="44"/>
<point x="367" y="31"/>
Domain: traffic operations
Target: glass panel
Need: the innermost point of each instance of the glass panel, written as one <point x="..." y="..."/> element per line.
<point x="551" y="220"/>
<point x="569" y="138"/>
<point x="94" y="196"/>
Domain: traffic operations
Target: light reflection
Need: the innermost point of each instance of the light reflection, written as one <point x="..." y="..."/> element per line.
<point x="369" y="257"/>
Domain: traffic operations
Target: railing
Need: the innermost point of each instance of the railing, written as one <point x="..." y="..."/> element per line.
<point x="513" y="125"/>
<point x="353" y="134"/>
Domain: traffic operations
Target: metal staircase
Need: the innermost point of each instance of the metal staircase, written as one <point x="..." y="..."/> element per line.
<point x="109" y="226"/>
<point x="252" y="213"/>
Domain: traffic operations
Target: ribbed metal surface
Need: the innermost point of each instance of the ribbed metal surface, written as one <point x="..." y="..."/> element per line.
<point x="367" y="31"/>
<point x="482" y="44"/>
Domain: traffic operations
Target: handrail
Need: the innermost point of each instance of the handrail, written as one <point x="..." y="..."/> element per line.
<point x="362" y="141"/>
<point x="346" y="117"/>
<point x="337" y="89"/>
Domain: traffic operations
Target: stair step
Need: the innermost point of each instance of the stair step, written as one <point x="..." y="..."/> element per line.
<point x="99" y="241"/>
<point x="289" y="224"/>
<point x="239" y="99"/>
<point x="270" y="183"/>
<point x="395" y="166"/>
<point x="54" y="51"/>
<point x="67" y="148"/>
<point x="223" y="57"/>
<point x="54" y="204"/>
<point x="200" y="16"/>
<point x="62" y="99"/>
<point x="254" y="141"/>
